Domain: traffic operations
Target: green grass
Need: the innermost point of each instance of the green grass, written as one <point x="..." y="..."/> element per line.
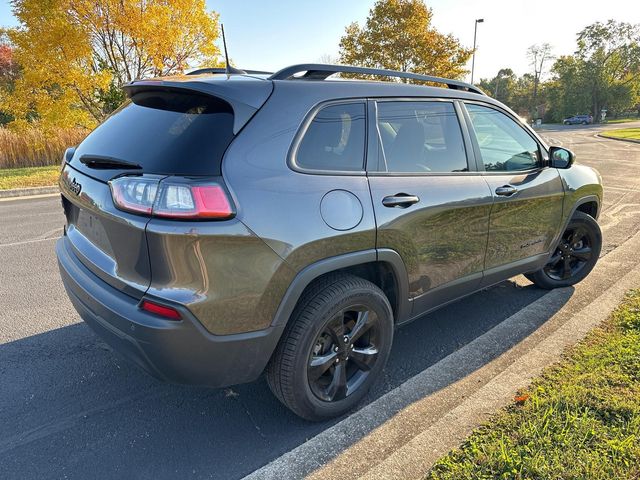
<point x="28" y="177"/>
<point x="623" y="120"/>
<point x="626" y="133"/>
<point x="579" y="420"/>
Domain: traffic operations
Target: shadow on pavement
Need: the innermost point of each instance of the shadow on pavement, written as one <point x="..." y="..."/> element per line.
<point x="69" y="407"/>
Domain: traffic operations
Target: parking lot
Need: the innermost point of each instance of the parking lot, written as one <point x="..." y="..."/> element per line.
<point x="71" y="408"/>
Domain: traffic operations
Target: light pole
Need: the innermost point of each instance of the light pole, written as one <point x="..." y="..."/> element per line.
<point x="475" y="34"/>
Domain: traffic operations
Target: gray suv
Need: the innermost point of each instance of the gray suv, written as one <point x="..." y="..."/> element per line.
<point x="219" y="227"/>
<point x="578" y="120"/>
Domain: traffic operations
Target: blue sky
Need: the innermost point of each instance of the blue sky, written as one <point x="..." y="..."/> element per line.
<point x="268" y="35"/>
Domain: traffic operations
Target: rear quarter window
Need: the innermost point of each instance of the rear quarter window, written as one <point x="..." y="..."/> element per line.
<point x="165" y="132"/>
<point x="334" y="140"/>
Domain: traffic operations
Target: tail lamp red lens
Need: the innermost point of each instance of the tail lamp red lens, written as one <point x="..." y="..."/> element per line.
<point x="172" y="198"/>
<point x="198" y="201"/>
<point x="161" y="310"/>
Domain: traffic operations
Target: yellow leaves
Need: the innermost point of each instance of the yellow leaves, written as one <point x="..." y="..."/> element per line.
<point x="398" y="35"/>
<point x="72" y="53"/>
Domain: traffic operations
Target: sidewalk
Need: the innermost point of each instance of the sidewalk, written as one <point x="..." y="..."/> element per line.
<point x="28" y="192"/>
<point x="401" y="434"/>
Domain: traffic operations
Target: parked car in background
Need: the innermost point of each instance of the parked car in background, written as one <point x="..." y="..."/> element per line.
<point x="578" y="120"/>
<point x="219" y="226"/>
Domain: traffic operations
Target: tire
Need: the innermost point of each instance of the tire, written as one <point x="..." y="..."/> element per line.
<point x="312" y="335"/>
<point x="567" y="123"/>
<point x="584" y="123"/>
<point x="569" y="265"/>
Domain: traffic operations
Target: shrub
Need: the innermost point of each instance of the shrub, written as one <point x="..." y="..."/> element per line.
<point x="35" y="148"/>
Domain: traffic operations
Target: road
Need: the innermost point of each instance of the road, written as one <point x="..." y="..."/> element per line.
<point x="71" y="408"/>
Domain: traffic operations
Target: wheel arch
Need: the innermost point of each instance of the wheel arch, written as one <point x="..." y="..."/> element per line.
<point x="589" y="205"/>
<point x="383" y="267"/>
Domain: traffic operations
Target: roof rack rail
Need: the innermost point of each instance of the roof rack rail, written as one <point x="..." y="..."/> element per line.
<point x="318" y="71"/>
<point x="200" y="71"/>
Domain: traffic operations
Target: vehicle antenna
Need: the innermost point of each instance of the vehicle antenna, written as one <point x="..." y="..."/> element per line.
<point x="227" y="67"/>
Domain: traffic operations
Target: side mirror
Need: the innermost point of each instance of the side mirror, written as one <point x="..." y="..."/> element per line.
<point x="561" y="157"/>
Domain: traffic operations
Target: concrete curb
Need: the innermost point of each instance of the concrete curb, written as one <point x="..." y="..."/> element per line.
<point x="628" y="140"/>
<point x="28" y="192"/>
<point x="402" y="433"/>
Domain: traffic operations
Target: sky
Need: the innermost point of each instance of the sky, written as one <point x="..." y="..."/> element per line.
<point x="269" y="35"/>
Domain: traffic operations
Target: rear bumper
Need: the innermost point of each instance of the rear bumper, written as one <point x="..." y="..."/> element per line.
<point x="174" y="351"/>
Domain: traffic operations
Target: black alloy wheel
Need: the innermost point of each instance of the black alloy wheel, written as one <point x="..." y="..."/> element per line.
<point x="572" y="255"/>
<point x="575" y="256"/>
<point x="334" y="347"/>
<point x="344" y="353"/>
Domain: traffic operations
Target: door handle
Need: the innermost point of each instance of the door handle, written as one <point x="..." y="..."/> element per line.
<point x="506" y="191"/>
<point x="400" y="200"/>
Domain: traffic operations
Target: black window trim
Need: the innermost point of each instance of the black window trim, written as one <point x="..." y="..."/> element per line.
<point x="543" y="162"/>
<point x="306" y="123"/>
<point x="374" y="163"/>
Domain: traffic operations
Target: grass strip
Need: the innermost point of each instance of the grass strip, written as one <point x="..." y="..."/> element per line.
<point x="28" y="177"/>
<point x="624" y="133"/>
<point x="579" y="420"/>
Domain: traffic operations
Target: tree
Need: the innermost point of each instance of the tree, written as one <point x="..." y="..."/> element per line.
<point x="76" y="54"/>
<point x="610" y="56"/>
<point x="8" y="66"/>
<point x="538" y="56"/>
<point x="9" y="70"/>
<point x="502" y="87"/>
<point x="398" y="35"/>
<point x="328" y="59"/>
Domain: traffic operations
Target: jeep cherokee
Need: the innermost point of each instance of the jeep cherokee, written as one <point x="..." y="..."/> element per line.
<point x="221" y="226"/>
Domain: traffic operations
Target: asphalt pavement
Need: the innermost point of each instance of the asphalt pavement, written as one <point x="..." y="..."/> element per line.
<point x="71" y="408"/>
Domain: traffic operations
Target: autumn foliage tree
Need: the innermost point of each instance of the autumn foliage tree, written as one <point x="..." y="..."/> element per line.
<point x="398" y="35"/>
<point x="76" y="54"/>
<point x="8" y="65"/>
<point x="603" y="73"/>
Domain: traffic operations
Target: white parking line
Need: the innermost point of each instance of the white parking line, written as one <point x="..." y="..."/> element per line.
<point x="26" y="242"/>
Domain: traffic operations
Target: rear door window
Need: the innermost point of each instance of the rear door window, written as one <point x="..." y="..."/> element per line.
<point x="334" y="140"/>
<point x="421" y="137"/>
<point x="165" y="132"/>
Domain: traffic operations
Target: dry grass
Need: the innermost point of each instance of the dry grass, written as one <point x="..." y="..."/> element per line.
<point x="34" y="148"/>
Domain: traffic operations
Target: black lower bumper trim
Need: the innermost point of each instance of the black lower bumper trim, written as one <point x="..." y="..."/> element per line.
<point x="175" y="351"/>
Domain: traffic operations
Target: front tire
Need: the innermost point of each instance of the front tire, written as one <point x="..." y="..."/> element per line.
<point x="575" y="256"/>
<point x="335" y="346"/>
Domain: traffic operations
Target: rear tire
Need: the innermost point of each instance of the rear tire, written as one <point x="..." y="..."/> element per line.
<point x="331" y="351"/>
<point x="575" y="256"/>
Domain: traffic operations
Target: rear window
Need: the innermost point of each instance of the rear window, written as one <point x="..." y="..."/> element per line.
<point x="420" y="137"/>
<point x="335" y="139"/>
<point x="164" y="132"/>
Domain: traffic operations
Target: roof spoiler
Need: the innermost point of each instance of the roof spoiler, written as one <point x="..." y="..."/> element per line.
<point x="245" y="98"/>
<point x="319" y="71"/>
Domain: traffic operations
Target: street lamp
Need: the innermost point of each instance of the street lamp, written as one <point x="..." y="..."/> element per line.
<point x="475" y="33"/>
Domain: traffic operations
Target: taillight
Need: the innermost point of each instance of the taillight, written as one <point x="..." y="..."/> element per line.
<point x="172" y="198"/>
<point x="162" y="310"/>
<point x="134" y="194"/>
<point x="193" y="201"/>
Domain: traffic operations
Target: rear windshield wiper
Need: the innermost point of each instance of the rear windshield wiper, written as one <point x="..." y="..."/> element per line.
<point x="99" y="161"/>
